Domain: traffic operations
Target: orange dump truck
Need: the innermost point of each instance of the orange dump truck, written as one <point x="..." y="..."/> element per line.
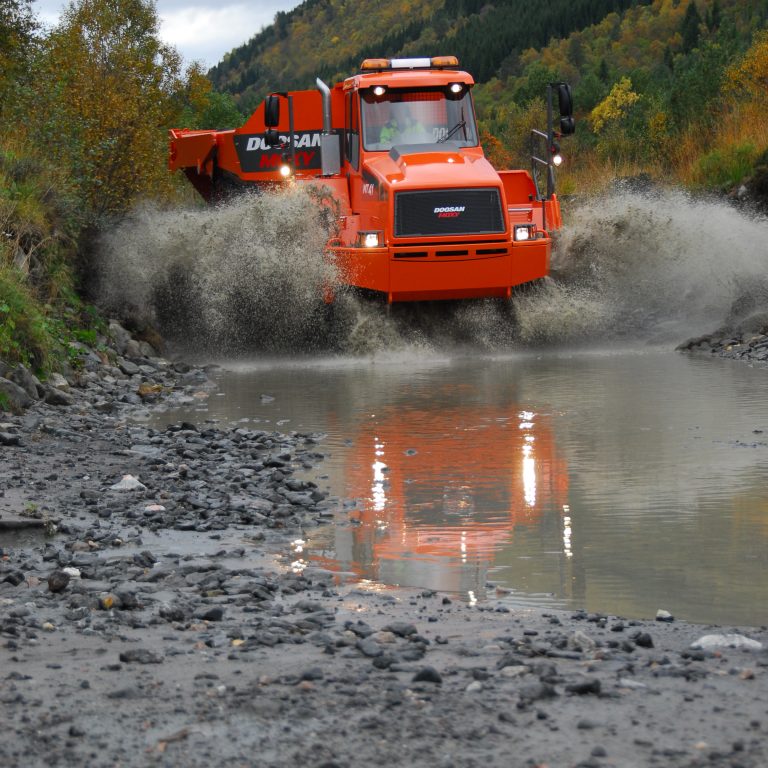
<point x="422" y="214"/>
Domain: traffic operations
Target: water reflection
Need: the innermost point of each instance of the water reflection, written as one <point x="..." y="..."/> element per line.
<point x="621" y="483"/>
<point x="442" y="488"/>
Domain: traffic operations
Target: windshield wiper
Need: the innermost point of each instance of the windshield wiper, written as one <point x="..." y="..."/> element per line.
<point x="461" y="124"/>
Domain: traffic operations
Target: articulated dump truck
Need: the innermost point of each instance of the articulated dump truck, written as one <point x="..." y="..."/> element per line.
<point x="420" y="213"/>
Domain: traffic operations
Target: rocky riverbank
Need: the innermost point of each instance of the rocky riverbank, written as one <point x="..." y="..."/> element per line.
<point x="736" y="344"/>
<point x="150" y="614"/>
<point x="744" y="335"/>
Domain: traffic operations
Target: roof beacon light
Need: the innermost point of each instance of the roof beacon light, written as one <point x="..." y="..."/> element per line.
<point x="436" y="62"/>
<point x="411" y="63"/>
<point x="375" y="64"/>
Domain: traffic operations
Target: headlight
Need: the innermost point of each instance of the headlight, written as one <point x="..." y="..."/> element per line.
<point x="370" y="239"/>
<point x="523" y="233"/>
<point x="285" y="170"/>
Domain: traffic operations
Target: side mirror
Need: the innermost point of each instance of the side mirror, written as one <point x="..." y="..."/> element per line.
<point x="272" y="138"/>
<point x="567" y="126"/>
<point x="565" y="100"/>
<point x="272" y="111"/>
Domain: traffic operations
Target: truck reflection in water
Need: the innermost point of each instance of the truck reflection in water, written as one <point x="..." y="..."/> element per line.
<point x="440" y="492"/>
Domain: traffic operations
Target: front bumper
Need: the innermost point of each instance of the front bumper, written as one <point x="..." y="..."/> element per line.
<point x="443" y="271"/>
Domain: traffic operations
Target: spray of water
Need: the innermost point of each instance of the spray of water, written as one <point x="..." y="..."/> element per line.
<point x="250" y="275"/>
<point x="656" y="265"/>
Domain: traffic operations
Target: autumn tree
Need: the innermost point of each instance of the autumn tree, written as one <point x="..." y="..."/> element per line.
<point x="105" y="91"/>
<point x="205" y="107"/>
<point x="17" y="28"/>
<point x="748" y="77"/>
<point x="615" y="105"/>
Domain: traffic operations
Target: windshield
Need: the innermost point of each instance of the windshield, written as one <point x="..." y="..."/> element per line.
<point x="423" y="116"/>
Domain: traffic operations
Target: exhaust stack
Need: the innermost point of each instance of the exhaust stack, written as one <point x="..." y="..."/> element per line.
<point x="330" y="150"/>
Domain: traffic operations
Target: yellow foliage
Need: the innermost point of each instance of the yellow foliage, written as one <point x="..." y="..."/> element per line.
<point x="749" y="77"/>
<point x="658" y="128"/>
<point x="615" y="105"/>
<point x="106" y="91"/>
<point x="198" y="88"/>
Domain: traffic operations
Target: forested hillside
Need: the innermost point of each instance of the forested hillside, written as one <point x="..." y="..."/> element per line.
<point x="673" y="88"/>
<point x="329" y="38"/>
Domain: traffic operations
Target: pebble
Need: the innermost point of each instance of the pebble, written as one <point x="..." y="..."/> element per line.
<point x="58" y="581"/>
<point x="401" y="628"/>
<point x="369" y="648"/>
<point x="711" y="642"/>
<point x="584" y="687"/>
<point x="580" y="641"/>
<point x="128" y="483"/>
<point x="141" y="656"/>
<point x="428" y="675"/>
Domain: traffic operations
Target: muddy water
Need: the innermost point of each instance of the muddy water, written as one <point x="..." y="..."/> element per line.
<point x="618" y="481"/>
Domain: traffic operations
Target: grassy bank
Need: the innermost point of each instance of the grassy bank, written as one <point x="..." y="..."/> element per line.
<point x="85" y="109"/>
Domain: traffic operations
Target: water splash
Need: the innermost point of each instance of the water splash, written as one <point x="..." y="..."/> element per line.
<point x="249" y="275"/>
<point x="246" y="274"/>
<point x="658" y="265"/>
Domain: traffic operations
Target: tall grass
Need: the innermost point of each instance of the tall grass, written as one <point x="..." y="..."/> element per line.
<point x="38" y="301"/>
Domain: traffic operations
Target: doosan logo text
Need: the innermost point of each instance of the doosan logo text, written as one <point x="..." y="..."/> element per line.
<point x="449" y="211"/>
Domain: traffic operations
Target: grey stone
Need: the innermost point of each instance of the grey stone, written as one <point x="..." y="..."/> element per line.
<point x="147" y="350"/>
<point x="127" y="367"/>
<point x="428" y="675"/>
<point x="369" y="648"/>
<point x="58" y="381"/>
<point x="590" y="685"/>
<point x="13" y="396"/>
<point x="119" y="335"/>
<point x="22" y="376"/>
<point x="711" y="642"/>
<point x="643" y="639"/>
<point x="401" y="628"/>
<point x="8" y="438"/>
<point x="58" y="581"/>
<point x="141" y="656"/>
<point x="57" y="397"/>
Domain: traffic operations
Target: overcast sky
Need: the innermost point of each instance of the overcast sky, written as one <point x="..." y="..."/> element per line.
<point x="200" y="29"/>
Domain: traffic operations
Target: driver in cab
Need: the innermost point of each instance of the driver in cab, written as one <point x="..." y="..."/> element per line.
<point x="403" y="127"/>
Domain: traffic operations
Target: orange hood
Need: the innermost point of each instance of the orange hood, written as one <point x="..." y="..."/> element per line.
<point x="432" y="169"/>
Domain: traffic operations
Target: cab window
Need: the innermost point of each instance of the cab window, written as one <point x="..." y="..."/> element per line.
<point x="352" y="142"/>
<point x="424" y="116"/>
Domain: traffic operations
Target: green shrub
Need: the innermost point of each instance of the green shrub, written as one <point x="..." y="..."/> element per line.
<point x="25" y="335"/>
<point x="725" y="168"/>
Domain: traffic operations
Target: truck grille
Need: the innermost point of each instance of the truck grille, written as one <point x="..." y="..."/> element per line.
<point x="448" y="212"/>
